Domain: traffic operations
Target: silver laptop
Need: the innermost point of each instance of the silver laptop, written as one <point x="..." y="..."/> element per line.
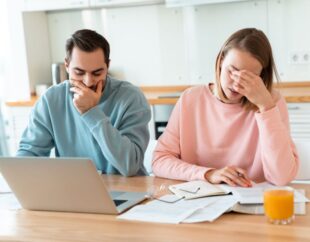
<point x="63" y="184"/>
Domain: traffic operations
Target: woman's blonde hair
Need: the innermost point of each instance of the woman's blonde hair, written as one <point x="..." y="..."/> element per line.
<point x="256" y="43"/>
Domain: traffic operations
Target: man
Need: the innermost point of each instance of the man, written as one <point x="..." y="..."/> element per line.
<point x="91" y="115"/>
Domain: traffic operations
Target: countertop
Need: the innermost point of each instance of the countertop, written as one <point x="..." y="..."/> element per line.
<point x="294" y="92"/>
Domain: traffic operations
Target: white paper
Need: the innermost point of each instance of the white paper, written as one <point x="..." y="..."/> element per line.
<point x="301" y="181"/>
<point x="255" y="194"/>
<point x="213" y="211"/>
<point x="299" y="208"/>
<point x="248" y="208"/>
<point x="196" y="189"/>
<point x="161" y="212"/>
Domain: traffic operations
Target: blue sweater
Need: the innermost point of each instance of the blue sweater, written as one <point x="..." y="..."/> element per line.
<point x="114" y="134"/>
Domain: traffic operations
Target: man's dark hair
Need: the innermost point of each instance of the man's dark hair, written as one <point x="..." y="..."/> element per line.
<point x="87" y="40"/>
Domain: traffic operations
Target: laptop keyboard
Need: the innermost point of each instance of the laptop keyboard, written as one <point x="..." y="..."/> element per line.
<point x="119" y="202"/>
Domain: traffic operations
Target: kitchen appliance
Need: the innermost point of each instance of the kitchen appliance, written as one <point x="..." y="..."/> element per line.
<point x="59" y="73"/>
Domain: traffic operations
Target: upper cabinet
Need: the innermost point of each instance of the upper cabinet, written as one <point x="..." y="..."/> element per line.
<point x="50" y="5"/>
<point x="183" y="3"/>
<point x="116" y="3"/>
<point x="47" y="5"/>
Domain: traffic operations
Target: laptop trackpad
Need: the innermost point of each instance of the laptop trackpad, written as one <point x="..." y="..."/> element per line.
<point x="119" y="195"/>
<point x="116" y="194"/>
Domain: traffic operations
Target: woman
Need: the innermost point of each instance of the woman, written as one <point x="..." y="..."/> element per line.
<point x="236" y="130"/>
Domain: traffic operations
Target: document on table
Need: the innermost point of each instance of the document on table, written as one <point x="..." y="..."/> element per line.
<point x="213" y="211"/>
<point x="196" y="189"/>
<point x="254" y="195"/>
<point x="243" y="200"/>
<point x="180" y="211"/>
<point x="299" y="208"/>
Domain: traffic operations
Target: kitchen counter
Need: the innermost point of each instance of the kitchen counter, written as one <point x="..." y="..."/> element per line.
<point x="295" y="92"/>
<point x="20" y="103"/>
<point x="292" y="91"/>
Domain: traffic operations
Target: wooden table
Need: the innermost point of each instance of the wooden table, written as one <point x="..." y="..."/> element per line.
<point x="25" y="225"/>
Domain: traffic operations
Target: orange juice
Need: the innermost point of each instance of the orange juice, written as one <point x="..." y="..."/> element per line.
<point x="279" y="205"/>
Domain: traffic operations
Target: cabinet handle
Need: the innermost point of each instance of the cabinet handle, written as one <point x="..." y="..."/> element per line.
<point x="103" y="1"/>
<point x="293" y="108"/>
<point x="76" y="3"/>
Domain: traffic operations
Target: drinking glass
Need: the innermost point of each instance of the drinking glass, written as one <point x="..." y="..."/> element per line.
<point x="279" y="205"/>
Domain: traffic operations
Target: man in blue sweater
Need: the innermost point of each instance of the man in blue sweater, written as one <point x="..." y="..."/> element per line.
<point x="92" y="114"/>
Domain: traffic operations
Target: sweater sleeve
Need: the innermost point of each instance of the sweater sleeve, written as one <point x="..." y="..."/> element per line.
<point x="37" y="139"/>
<point x="278" y="152"/>
<point x="167" y="160"/>
<point x="123" y="146"/>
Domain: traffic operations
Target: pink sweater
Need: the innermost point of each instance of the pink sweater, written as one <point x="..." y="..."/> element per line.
<point x="204" y="133"/>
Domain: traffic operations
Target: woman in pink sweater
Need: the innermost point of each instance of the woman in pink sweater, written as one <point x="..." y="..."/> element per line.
<point x="235" y="130"/>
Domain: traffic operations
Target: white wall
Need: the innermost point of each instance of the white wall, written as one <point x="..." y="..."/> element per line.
<point x="4" y="42"/>
<point x="155" y="45"/>
<point x="37" y="49"/>
<point x="142" y="39"/>
<point x="211" y="25"/>
<point x="14" y="71"/>
<point x="288" y="28"/>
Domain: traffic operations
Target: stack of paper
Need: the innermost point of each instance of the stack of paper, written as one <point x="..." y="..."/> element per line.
<point x="186" y="211"/>
<point x="299" y="208"/>
<point x="205" y="207"/>
<point x="254" y="195"/>
<point x="250" y="201"/>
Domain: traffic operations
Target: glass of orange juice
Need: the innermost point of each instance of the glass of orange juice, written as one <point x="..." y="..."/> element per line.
<point x="279" y="205"/>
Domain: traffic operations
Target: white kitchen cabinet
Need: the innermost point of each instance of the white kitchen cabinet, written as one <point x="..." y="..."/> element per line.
<point x="299" y="114"/>
<point x="299" y="118"/>
<point x="118" y="3"/>
<point x="183" y="3"/>
<point x="15" y="120"/>
<point x="47" y="5"/>
<point x="50" y="5"/>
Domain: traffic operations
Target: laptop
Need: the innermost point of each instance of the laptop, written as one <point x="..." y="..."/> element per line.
<point x="63" y="184"/>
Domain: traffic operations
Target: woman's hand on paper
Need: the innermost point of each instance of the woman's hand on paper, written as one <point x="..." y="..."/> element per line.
<point x="233" y="176"/>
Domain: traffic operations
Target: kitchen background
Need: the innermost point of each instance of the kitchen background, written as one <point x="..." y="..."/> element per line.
<point x="153" y="42"/>
<point x="166" y="43"/>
